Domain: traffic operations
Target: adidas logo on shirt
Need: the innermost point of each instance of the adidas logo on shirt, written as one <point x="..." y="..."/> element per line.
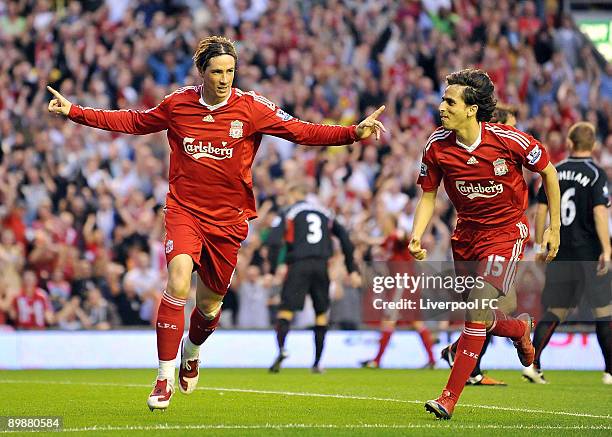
<point x="209" y="118"/>
<point x="472" y="160"/>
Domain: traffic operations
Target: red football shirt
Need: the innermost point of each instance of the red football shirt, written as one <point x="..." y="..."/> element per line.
<point x="31" y="309"/>
<point x="485" y="180"/>
<point x="213" y="147"/>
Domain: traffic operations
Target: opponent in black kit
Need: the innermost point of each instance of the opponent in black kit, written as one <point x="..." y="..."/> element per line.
<point x="585" y="239"/>
<point x="307" y="229"/>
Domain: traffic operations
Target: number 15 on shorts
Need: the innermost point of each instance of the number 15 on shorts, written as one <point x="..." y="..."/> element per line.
<point x="495" y="265"/>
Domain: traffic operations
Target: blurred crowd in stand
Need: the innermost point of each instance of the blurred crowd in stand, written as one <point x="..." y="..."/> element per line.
<point x="81" y="210"/>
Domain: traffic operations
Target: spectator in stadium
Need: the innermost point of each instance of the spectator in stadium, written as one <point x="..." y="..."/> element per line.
<point x="31" y="309"/>
<point x="254" y="292"/>
<point x="71" y="316"/>
<point x="102" y="314"/>
<point x="207" y="213"/>
<point x="59" y="289"/>
<point x="143" y="280"/>
<point x="11" y="260"/>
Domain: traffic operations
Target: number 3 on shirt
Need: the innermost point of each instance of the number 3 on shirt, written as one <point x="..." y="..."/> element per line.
<point x="315" y="233"/>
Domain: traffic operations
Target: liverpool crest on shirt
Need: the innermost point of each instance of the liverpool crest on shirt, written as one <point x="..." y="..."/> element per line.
<point x="235" y="129"/>
<point x="499" y="167"/>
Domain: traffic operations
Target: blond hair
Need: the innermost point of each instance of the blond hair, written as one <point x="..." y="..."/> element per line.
<point x="582" y="136"/>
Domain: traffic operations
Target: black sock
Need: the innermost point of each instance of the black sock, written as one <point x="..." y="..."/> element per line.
<point x="319" y="335"/>
<point x="282" y="328"/>
<point x="544" y="330"/>
<point x="477" y="370"/>
<point x="603" y="328"/>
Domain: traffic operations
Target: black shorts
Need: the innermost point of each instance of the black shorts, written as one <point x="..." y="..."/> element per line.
<point x="306" y="276"/>
<point x="572" y="278"/>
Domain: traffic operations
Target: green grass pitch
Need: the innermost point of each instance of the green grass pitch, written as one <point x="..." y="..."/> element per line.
<point x="347" y="402"/>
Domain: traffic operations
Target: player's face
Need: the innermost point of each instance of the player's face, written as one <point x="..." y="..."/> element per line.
<point x="453" y="110"/>
<point x="218" y="78"/>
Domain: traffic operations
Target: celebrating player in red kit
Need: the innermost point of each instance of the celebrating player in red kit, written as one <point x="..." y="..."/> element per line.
<point x="214" y="131"/>
<point x="481" y="165"/>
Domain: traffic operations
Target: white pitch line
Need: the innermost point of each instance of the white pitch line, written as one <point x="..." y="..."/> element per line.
<point x="166" y="427"/>
<point x="318" y="395"/>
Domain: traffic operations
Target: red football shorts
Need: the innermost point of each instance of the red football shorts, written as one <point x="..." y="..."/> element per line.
<point x="497" y="252"/>
<point x="213" y="248"/>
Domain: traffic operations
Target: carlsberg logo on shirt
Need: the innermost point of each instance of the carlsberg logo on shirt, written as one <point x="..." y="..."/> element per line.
<point x="472" y="190"/>
<point x="206" y="150"/>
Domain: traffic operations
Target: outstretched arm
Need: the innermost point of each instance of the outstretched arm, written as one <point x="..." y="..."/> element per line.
<point x="271" y="120"/>
<point x="125" y="121"/>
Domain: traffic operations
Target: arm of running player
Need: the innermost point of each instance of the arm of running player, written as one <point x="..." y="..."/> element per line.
<point x="347" y="249"/>
<point x="552" y="238"/>
<point x="600" y="214"/>
<point x="125" y="121"/>
<point x="422" y="216"/>
<point x="540" y="224"/>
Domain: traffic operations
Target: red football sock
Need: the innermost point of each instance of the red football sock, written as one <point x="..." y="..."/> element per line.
<point x="507" y="326"/>
<point x="385" y="337"/>
<point x="200" y="328"/>
<point x="427" y="343"/>
<point x="169" y="326"/>
<point x="469" y="347"/>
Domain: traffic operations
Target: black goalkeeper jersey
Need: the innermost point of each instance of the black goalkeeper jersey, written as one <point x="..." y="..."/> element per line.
<point x="583" y="185"/>
<point x="307" y="230"/>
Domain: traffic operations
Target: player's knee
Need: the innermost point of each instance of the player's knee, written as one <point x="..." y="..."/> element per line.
<point x="508" y="303"/>
<point x="321" y="319"/>
<point x="478" y="317"/>
<point x="603" y="313"/>
<point x="179" y="285"/>
<point x="561" y="313"/>
<point x="285" y="315"/>
<point x="210" y="307"/>
<point x="387" y="325"/>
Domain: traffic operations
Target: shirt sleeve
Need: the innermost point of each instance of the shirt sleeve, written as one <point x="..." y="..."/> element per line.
<point x="127" y="121"/>
<point x="271" y="120"/>
<point x="275" y="241"/>
<point x="530" y="152"/>
<point x="601" y="195"/>
<point x="430" y="174"/>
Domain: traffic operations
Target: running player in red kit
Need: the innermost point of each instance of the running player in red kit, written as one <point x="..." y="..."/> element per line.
<point x="214" y="132"/>
<point x="481" y="165"/>
<point x="399" y="261"/>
